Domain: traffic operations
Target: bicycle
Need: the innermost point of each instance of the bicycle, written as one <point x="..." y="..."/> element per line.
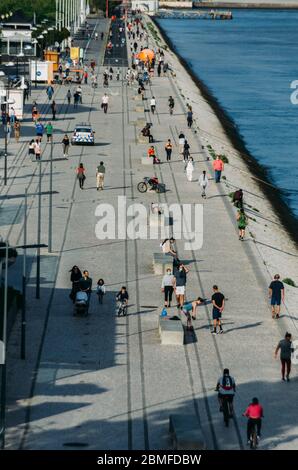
<point x="253" y="436"/>
<point x="227" y="410"/>
<point x="122" y="308"/>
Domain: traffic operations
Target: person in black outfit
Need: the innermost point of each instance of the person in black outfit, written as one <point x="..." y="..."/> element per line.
<point x="75" y="277"/>
<point x="276" y="294"/>
<point x="85" y="284"/>
<point x="218" y="302"/>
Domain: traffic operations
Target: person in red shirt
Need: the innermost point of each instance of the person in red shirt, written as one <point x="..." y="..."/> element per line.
<point x="218" y="167"/>
<point x="254" y="413"/>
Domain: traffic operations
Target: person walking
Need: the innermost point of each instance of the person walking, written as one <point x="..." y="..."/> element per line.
<point x="159" y="69"/>
<point x="85" y="285"/>
<point x="203" y="182"/>
<point x="54" y="109"/>
<point x="286" y="349"/>
<point x="169" y="149"/>
<point x="189" y="169"/>
<point x="86" y="77"/>
<point x="37" y="150"/>
<point x="186" y="153"/>
<point x="75" y="278"/>
<point x="181" y="138"/>
<point x="218" y="167"/>
<point x="49" y="132"/>
<point x="50" y="92"/>
<point x="276" y="295"/>
<point x="189" y="117"/>
<point x="39" y="129"/>
<point x="153" y="104"/>
<point x="180" y="284"/>
<point x="171" y="104"/>
<point x="81" y="175"/>
<point x="8" y="131"/>
<point x="76" y="99"/>
<point x="100" y="290"/>
<point x="68" y="96"/>
<point x="12" y="115"/>
<point x="167" y="287"/>
<point x="105" y="103"/>
<point x="65" y="144"/>
<point x="242" y="223"/>
<point x="17" y="130"/>
<point x="31" y="149"/>
<point x="218" y="302"/>
<point x="100" y="176"/>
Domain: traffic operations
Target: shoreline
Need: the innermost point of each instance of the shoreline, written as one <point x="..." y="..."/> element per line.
<point x="283" y="211"/>
<point x="246" y="6"/>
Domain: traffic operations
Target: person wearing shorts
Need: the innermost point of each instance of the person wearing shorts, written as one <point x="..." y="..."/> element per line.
<point x="218" y="302"/>
<point x="189" y="309"/>
<point x="276" y="295"/>
<point x="180" y="284"/>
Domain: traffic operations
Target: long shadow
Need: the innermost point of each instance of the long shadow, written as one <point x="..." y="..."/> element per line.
<point x="274" y="248"/>
<point x="244" y="327"/>
<point x="257" y="214"/>
<point x="21" y="196"/>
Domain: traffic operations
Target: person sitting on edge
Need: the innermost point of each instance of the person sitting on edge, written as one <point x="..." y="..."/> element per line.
<point x="151" y="153"/>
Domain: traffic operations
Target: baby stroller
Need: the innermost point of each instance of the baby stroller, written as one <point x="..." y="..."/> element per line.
<point x="81" y="304"/>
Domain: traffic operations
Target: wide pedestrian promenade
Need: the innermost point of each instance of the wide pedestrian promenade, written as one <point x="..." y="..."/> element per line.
<point x="104" y="382"/>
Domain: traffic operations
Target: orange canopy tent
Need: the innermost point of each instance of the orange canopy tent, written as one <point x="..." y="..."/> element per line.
<point x="146" y="55"/>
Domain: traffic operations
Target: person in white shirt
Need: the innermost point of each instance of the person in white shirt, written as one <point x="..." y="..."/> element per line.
<point x="105" y="103"/>
<point x="167" y="286"/>
<point x="152" y="104"/>
<point x="189" y="169"/>
<point x="181" y="138"/>
<point x="203" y="182"/>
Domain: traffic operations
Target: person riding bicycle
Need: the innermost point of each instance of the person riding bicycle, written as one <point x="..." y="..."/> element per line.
<point x="254" y="413"/>
<point x="122" y="298"/>
<point x="171" y="104"/>
<point x="153" y="182"/>
<point x="226" y="387"/>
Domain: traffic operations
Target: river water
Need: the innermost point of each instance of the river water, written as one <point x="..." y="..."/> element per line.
<point x="249" y="64"/>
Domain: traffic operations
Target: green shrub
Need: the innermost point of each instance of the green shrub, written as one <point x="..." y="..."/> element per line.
<point x="289" y="281"/>
<point x="224" y="158"/>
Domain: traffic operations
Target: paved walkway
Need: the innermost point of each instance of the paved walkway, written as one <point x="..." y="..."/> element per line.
<point x="107" y="382"/>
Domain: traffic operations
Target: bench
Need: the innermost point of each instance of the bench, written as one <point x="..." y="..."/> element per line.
<point x="141" y="122"/>
<point x="146" y="160"/>
<point x="143" y="139"/>
<point x="171" y="331"/>
<point x="186" y="432"/>
<point x="139" y="109"/>
<point x="162" y="262"/>
<point x="138" y="97"/>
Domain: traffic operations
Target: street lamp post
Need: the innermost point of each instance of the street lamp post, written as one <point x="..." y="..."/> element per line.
<point x="24" y="282"/>
<point x="7" y="103"/>
<point x="3" y="354"/>
<point x="50" y="234"/>
<point x="37" y="291"/>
